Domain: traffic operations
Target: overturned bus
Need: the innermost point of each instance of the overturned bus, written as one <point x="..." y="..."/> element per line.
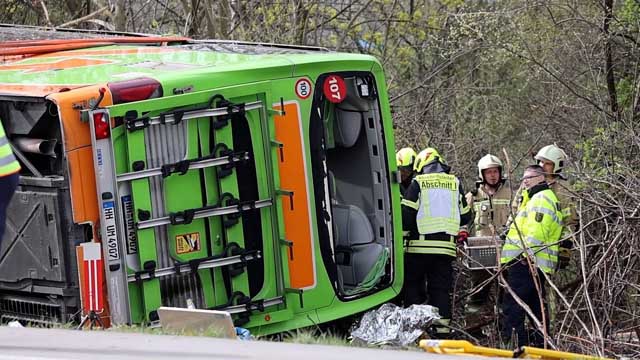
<point x="253" y="178"/>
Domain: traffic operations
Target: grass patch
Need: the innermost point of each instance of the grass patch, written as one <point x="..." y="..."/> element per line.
<point x="309" y="336"/>
<point x="157" y="330"/>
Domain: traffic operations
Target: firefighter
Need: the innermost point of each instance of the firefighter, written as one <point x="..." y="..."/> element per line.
<point x="434" y="213"/>
<point x="490" y="203"/>
<point x="552" y="159"/>
<point x="530" y="248"/>
<point x="9" y="168"/>
<point x="405" y="158"/>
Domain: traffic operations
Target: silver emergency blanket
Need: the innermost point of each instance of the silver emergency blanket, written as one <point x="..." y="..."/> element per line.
<point x="393" y="325"/>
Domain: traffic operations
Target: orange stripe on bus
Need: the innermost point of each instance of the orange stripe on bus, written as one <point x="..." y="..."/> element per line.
<point x="117" y="39"/>
<point x="293" y="177"/>
<point x="33" y="50"/>
<point x="114" y="51"/>
<point x="55" y="65"/>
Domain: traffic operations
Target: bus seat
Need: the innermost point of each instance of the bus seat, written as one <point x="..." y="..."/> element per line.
<point x="356" y="251"/>
<point x="347" y="128"/>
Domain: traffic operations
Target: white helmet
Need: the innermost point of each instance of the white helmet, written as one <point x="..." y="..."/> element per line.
<point x="487" y="162"/>
<point x="554" y="154"/>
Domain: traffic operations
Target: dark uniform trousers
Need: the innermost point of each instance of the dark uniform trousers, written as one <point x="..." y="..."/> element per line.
<point x="438" y="273"/>
<point x="521" y="282"/>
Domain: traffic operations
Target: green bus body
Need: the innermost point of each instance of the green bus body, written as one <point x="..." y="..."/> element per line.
<point x="297" y="185"/>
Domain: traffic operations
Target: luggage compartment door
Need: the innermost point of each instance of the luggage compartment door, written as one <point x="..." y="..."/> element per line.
<point x="196" y="202"/>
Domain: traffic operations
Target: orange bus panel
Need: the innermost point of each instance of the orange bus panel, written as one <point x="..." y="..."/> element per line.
<point x="293" y="177"/>
<point x="77" y="146"/>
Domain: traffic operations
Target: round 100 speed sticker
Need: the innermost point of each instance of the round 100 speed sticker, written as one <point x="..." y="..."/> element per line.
<point x="303" y="88"/>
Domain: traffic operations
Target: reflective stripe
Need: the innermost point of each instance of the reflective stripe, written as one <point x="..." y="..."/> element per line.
<point x="442" y="247"/>
<point x="548" y="212"/>
<point x="465" y="210"/>
<point x="477" y="205"/>
<point x="510" y="241"/>
<point x="6" y="160"/>
<point x="541" y="257"/>
<point x="501" y="202"/>
<point x="431" y="251"/>
<point x="494" y="200"/>
<point x="534" y="241"/>
<point x="510" y="254"/>
<point x="437" y="221"/>
<point x="545" y="265"/>
<point x="5" y="150"/>
<point x="549" y="201"/>
<point x="432" y="243"/>
<point x="548" y="251"/>
<point x="8" y="163"/>
<point x="409" y="203"/>
<point x="542" y="246"/>
<point x="12" y="168"/>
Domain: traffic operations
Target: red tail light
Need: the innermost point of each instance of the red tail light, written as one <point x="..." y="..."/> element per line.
<point x="135" y="90"/>
<point x="101" y="124"/>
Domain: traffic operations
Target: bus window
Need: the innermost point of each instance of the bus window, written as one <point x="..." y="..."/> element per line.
<point x="352" y="185"/>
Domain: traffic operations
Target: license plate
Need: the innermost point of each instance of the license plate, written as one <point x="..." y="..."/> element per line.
<point x="110" y="232"/>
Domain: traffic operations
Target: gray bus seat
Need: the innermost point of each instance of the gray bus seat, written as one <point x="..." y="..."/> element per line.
<point x="356" y="251"/>
<point x="347" y="127"/>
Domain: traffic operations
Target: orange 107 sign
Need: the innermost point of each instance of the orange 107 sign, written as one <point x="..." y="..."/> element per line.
<point x="334" y="89"/>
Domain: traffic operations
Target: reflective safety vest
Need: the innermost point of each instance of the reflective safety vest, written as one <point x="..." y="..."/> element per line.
<point x="489" y="210"/>
<point x="438" y="209"/>
<point x="537" y="226"/>
<point x="8" y="163"/>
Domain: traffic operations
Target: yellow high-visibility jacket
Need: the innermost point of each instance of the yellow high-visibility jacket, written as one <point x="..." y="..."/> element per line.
<point x="536" y="229"/>
<point x="8" y="163"/>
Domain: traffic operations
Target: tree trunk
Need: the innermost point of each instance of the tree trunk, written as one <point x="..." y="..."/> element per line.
<point x="611" y="81"/>
<point x="121" y="16"/>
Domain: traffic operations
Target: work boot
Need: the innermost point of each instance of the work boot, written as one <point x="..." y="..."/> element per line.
<point x="441" y="329"/>
<point x="475" y="313"/>
<point x="473" y="308"/>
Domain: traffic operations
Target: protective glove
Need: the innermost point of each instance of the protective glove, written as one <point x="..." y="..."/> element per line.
<point x="461" y="239"/>
<point x="564" y="254"/>
<point x="564" y="258"/>
<point x="504" y="231"/>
